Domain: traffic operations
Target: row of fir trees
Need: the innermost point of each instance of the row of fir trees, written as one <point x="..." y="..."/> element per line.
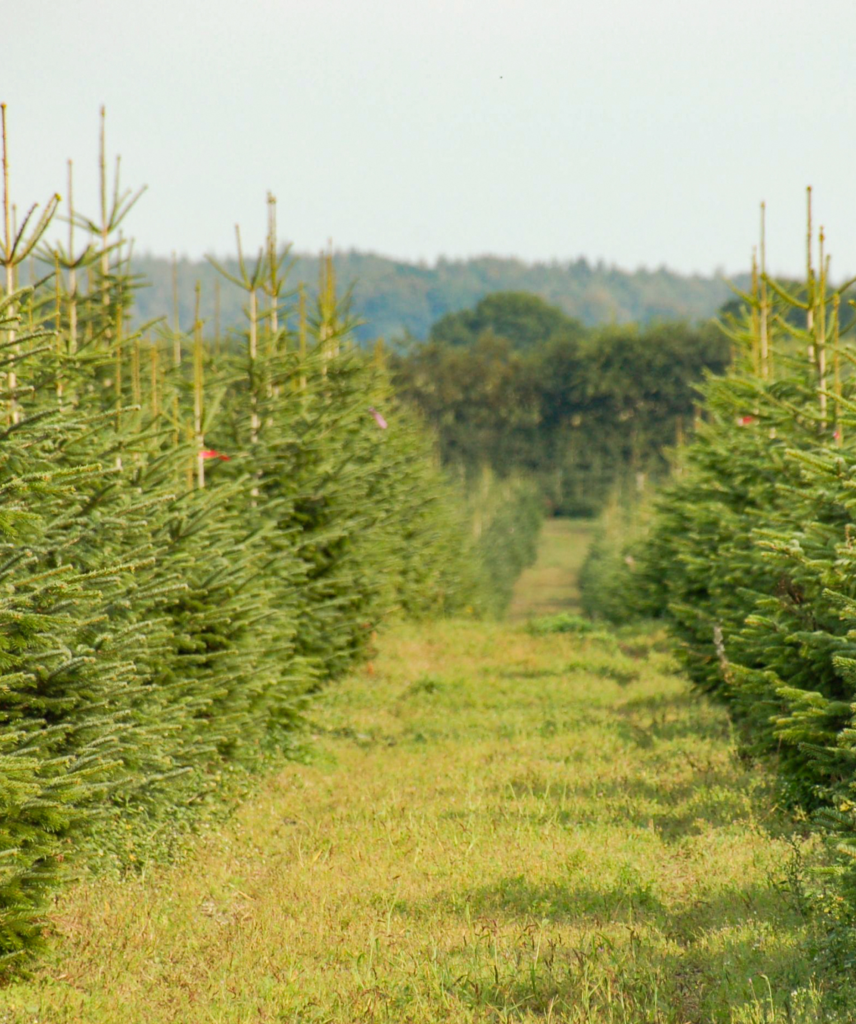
<point x="193" y="538"/>
<point x="750" y="552"/>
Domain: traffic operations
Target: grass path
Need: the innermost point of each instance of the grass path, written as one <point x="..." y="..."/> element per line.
<point x="551" y="585"/>
<point x="494" y="827"/>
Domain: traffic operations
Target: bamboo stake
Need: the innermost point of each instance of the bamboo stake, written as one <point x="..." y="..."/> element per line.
<point x="756" y="329"/>
<point x="105" y="226"/>
<point x="58" y="316"/>
<point x="198" y="371"/>
<point x="217" y="318"/>
<point x="90" y="289"/>
<point x="72" y="270"/>
<point x="324" y="325"/>
<point x="764" y="338"/>
<point x="274" y="288"/>
<point x="301" y="333"/>
<point x="254" y="325"/>
<point x="820" y="333"/>
<point x="189" y="470"/>
<point x="31" y="305"/>
<point x="176" y="347"/>
<point x="57" y="298"/>
<point x="12" y="378"/>
<point x="176" y="326"/>
<point x="155" y="378"/>
<point x="331" y="301"/>
<point x="836" y="366"/>
<point x="14" y="235"/>
<point x="136" y="384"/>
<point x="253" y="347"/>
<point x="809" y="282"/>
<point x="272" y="266"/>
<point x="118" y="354"/>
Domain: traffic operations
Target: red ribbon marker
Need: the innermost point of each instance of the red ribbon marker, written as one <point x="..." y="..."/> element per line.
<point x="209" y="453"/>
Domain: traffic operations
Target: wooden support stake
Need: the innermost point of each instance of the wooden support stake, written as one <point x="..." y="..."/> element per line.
<point x="198" y="372"/>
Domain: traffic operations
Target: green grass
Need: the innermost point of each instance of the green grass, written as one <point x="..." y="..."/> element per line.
<point x="550" y="586"/>
<point x="493" y="826"/>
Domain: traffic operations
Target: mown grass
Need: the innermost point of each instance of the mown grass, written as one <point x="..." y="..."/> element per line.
<point x="551" y="585"/>
<point x="494" y="826"/>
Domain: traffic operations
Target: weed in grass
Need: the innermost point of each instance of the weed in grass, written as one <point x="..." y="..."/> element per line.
<point x="564" y="622"/>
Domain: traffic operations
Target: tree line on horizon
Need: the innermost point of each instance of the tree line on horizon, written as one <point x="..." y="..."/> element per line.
<point x="511" y="381"/>
<point x="516" y="385"/>
<point x="394" y="299"/>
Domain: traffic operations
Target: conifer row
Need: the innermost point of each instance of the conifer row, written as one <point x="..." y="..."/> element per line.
<point x="751" y="552"/>
<point x="194" y="536"/>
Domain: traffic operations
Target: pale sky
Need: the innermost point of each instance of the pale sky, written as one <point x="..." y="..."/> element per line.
<point x="640" y="132"/>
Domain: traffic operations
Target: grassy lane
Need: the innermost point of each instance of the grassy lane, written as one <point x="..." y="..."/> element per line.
<point x="551" y="584"/>
<point x="493" y="827"/>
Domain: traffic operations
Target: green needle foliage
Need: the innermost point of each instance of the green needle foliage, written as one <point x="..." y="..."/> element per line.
<point x="750" y="555"/>
<point x="194" y="537"/>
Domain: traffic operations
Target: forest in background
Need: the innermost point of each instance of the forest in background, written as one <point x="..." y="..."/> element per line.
<point x="516" y="385"/>
<point x="393" y="299"/>
<point x="578" y="374"/>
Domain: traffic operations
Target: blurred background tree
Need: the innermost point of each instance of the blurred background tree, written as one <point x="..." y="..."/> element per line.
<point x="517" y="385"/>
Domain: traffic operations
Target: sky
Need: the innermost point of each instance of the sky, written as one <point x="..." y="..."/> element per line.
<point x="643" y="133"/>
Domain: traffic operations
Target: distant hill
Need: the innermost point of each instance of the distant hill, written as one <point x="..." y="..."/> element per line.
<point x="394" y="298"/>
